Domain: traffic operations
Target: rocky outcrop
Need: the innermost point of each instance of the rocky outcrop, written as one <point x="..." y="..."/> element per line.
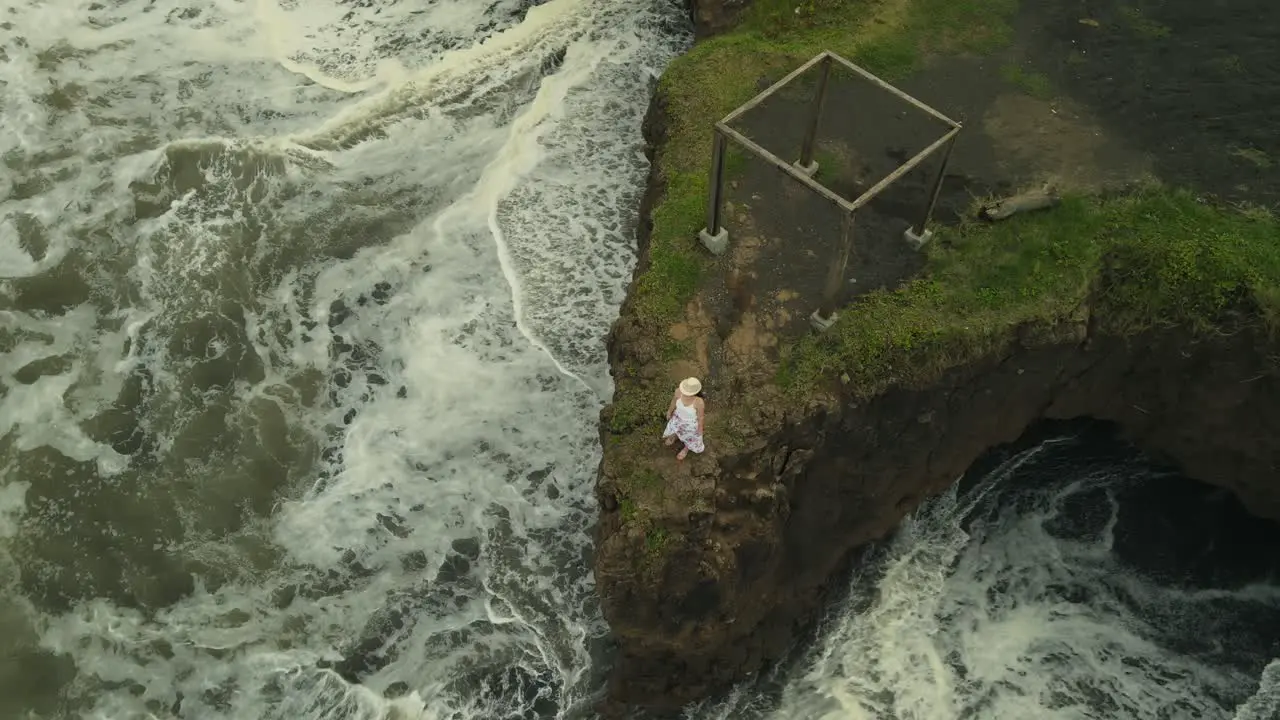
<point x="737" y="582"/>
<point x="734" y="563"/>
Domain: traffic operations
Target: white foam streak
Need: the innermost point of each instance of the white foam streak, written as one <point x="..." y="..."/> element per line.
<point x="993" y="610"/>
<point x="1265" y="703"/>
<point x="229" y="175"/>
<point x="12" y="505"/>
<point x="546" y="28"/>
<point x="35" y="411"/>
<point x="516" y="159"/>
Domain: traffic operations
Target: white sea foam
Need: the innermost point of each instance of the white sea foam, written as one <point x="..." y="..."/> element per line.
<point x="296" y="281"/>
<point x="986" y="606"/>
<point x="306" y="301"/>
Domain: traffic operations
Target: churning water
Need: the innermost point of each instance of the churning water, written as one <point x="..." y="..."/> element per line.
<point x="301" y="309"/>
<point x="1073" y="581"/>
<point x="301" y="312"/>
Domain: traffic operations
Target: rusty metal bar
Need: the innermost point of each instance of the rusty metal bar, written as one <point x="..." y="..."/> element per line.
<point x="815" y="116"/>
<point x="748" y="105"/>
<point x="896" y="92"/>
<point x="903" y="169"/>
<point x="784" y="166"/>
<point x="836" y="273"/>
<point x="715" y="191"/>
<point x="936" y="190"/>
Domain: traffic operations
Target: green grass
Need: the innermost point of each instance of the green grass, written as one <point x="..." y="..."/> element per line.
<point x="644" y="405"/>
<point x="1151" y="259"/>
<point x="1254" y="157"/>
<point x="1142" y="25"/>
<point x="627" y="508"/>
<point x="642" y="494"/>
<point x="675" y="349"/>
<point x="833" y="166"/>
<point x="656" y="539"/>
<point x="1154" y="258"/>
<point x="889" y="37"/>
<point x="1029" y="81"/>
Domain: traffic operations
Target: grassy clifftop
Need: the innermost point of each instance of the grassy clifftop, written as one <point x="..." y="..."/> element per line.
<point x="1156" y="256"/>
<point x="1151" y="258"/>
<point x="889" y="37"/>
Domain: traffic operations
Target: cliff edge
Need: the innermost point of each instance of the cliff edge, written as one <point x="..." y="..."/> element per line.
<point x="1131" y="301"/>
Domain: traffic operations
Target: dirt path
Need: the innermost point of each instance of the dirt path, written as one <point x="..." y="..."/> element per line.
<point x="1195" y="84"/>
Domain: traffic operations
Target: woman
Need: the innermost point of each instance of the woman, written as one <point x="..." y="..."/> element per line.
<point x="685" y="417"/>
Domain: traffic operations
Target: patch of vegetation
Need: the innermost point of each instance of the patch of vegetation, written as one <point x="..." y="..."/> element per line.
<point x="1142" y="25"/>
<point x="642" y="491"/>
<point x="833" y="162"/>
<point x="675" y="349"/>
<point x="889" y="37"/>
<point x="1254" y="157"/>
<point x="642" y="405"/>
<point x="656" y="539"/>
<point x="640" y="488"/>
<point x="1154" y="258"/>
<point x="1228" y="64"/>
<point x="627" y="508"/>
<point x="1029" y="81"/>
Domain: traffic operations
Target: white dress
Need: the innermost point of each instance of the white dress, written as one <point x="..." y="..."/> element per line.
<point x="684" y="425"/>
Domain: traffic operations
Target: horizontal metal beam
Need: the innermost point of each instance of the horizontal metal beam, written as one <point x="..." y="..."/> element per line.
<point x="903" y="169"/>
<point x="784" y="166"/>
<point x="886" y="86"/>
<point x="748" y="105"/>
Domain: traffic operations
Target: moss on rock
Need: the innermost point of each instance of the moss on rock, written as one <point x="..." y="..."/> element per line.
<point x="1151" y="258"/>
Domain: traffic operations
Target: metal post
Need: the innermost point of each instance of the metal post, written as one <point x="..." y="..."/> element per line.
<point x="825" y="316"/>
<point x="714" y="237"/>
<point x="806" y="162"/>
<point x="920" y="234"/>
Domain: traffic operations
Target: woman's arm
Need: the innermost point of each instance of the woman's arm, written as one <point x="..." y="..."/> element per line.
<point x="672" y="408"/>
<point x="701" y="407"/>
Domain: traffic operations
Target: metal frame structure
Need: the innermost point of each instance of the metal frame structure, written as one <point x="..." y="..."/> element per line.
<point x="716" y="237"/>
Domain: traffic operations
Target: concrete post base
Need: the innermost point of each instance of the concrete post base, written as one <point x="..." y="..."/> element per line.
<point x="811" y="169"/>
<point x="917" y="241"/>
<point x="717" y="243"/>
<point x="821" y="324"/>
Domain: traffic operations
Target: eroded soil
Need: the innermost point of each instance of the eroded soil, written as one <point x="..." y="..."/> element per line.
<point x="1193" y="83"/>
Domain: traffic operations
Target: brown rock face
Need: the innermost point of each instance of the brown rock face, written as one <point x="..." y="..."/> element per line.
<point x="746" y="576"/>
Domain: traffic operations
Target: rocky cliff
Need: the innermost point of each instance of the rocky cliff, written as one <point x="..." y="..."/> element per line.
<point x="745" y="576"/>
<point x="1156" y="316"/>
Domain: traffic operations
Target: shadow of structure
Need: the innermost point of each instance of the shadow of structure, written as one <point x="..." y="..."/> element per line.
<point x="818" y="201"/>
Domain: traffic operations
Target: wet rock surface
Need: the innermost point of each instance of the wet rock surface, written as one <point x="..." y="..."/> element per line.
<point x="746" y="579"/>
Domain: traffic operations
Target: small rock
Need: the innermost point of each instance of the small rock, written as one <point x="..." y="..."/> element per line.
<point x="397" y="689"/>
<point x="414" y="561"/>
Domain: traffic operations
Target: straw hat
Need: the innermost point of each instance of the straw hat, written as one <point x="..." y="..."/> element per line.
<point x="690" y="386"/>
